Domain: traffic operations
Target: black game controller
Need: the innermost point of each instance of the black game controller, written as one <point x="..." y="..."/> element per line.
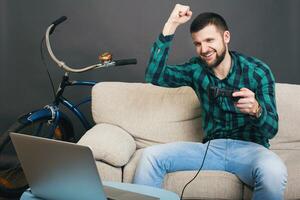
<point x="215" y="92"/>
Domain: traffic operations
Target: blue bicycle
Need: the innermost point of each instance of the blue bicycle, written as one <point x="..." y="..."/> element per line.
<point x="49" y="121"/>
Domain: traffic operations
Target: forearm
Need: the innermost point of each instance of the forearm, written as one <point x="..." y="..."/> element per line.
<point x="169" y="28"/>
<point x="267" y="122"/>
<point x="159" y="73"/>
<point x="157" y="61"/>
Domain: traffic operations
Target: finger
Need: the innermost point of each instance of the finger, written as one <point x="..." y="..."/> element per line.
<point x="241" y="109"/>
<point x="248" y="92"/>
<point x="246" y="107"/>
<point x="242" y="106"/>
<point x="178" y="9"/>
<point x="184" y="9"/>
<point x="243" y="93"/>
<point x="187" y="9"/>
<point x="245" y="100"/>
<point x="183" y="13"/>
<point x="238" y="94"/>
<point x="180" y="6"/>
<point x="246" y="111"/>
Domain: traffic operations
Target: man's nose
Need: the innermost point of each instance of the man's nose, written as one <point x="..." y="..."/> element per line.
<point x="204" y="49"/>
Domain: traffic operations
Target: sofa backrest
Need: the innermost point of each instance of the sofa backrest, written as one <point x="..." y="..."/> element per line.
<point x="151" y="114"/>
<point x="288" y="108"/>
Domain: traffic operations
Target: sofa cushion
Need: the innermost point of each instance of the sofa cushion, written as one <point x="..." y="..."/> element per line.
<point x="151" y="114"/>
<point x="291" y="159"/>
<point x="129" y="169"/>
<point x="109" y="143"/>
<point x="108" y="172"/>
<point x="208" y="185"/>
<point x="288" y="108"/>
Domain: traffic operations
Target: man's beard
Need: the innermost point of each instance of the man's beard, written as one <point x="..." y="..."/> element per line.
<point x="218" y="60"/>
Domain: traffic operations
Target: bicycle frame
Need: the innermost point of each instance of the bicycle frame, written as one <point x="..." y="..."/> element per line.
<point x="71" y="106"/>
<point x="52" y="111"/>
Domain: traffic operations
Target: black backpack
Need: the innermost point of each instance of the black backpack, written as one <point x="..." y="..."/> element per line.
<point x="12" y="179"/>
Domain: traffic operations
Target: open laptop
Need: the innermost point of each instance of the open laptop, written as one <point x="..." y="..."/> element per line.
<point x="63" y="171"/>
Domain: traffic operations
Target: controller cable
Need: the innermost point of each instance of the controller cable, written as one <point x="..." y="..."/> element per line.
<point x="197" y="172"/>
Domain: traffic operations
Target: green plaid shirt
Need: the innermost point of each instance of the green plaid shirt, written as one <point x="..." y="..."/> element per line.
<point x="220" y="118"/>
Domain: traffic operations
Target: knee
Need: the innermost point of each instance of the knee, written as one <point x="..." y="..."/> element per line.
<point x="271" y="174"/>
<point x="151" y="155"/>
<point x="158" y="156"/>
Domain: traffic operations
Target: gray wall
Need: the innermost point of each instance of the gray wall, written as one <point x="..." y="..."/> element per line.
<point x="267" y="29"/>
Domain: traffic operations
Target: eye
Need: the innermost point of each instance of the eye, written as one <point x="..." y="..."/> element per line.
<point x="210" y="40"/>
<point x="197" y="44"/>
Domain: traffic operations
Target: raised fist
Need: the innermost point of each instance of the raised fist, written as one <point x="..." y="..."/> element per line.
<point x="180" y="14"/>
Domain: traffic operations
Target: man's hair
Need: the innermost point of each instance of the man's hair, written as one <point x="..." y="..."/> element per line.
<point x="208" y="18"/>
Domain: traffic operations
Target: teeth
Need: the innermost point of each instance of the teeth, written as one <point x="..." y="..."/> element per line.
<point x="210" y="54"/>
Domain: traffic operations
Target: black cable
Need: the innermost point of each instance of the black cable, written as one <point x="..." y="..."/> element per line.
<point x="46" y="66"/>
<point x="197" y="172"/>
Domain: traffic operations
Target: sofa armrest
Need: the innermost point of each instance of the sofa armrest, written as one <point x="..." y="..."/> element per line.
<point x="109" y="143"/>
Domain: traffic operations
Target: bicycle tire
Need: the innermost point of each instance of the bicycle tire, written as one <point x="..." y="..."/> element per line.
<point x="12" y="180"/>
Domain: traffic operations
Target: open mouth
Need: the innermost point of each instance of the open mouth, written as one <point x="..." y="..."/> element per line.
<point x="208" y="56"/>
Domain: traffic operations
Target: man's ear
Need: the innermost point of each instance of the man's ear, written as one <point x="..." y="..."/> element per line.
<point x="226" y="37"/>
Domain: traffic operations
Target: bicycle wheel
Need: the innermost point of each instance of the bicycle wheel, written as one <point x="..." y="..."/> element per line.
<point x="12" y="179"/>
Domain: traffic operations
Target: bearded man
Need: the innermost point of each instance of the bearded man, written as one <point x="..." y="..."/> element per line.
<point x="237" y="128"/>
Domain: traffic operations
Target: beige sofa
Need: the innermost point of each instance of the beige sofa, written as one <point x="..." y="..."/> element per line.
<point x="132" y="116"/>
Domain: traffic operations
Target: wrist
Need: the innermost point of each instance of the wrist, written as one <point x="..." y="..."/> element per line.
<point x="258" y="111"/>
<point x="169" y="28"/>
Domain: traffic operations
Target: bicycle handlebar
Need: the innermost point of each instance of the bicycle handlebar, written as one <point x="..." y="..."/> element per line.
<point x="67" y="68"/>
<point x="57" y="22"/>
<point x="132" y="61"/>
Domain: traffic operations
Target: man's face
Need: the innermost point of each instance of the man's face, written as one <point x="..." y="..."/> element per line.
<point x="211" y="45"/>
